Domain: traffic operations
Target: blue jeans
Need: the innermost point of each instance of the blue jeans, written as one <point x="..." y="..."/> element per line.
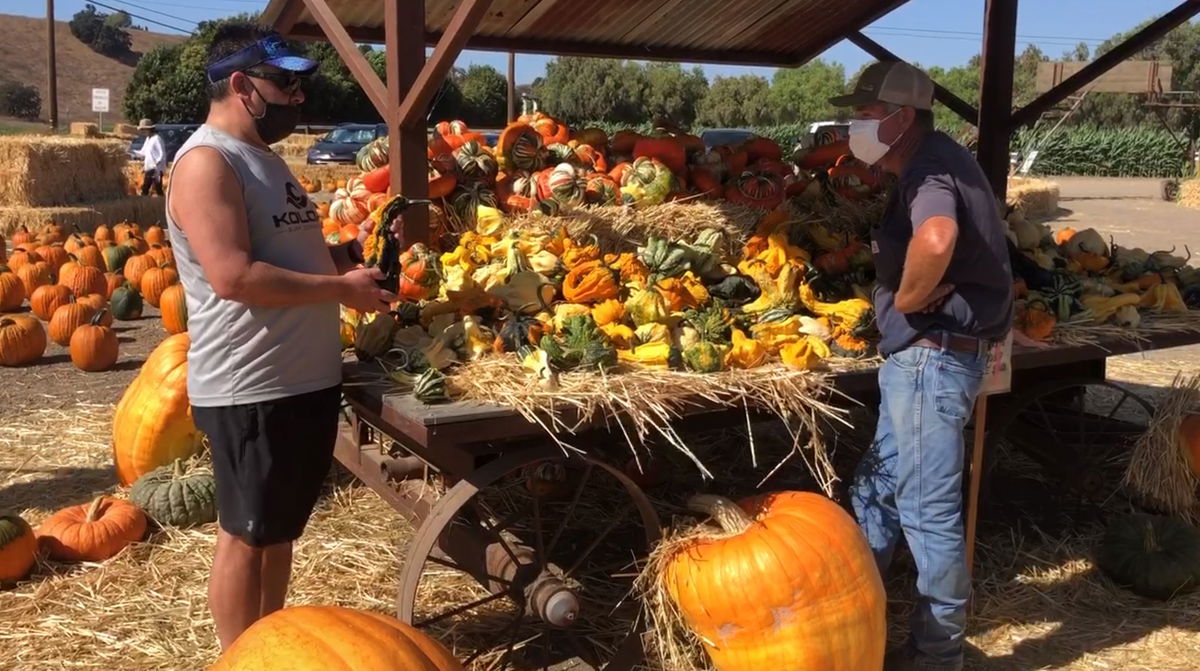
<point x="910" y="482"/>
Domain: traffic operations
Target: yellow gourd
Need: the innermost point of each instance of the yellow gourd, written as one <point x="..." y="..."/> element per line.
<point x="745" y="352"/>
<point x="804" y="354"/>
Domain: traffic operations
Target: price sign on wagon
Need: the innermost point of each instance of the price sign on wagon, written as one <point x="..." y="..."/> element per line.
<point x="997" y="377"/>
<point x="100" y="100"/>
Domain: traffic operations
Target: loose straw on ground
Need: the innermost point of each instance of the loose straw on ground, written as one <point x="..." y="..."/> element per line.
<point x="1160" y="470"/>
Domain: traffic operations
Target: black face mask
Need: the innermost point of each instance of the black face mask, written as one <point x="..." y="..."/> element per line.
<point x="276" y="122"/>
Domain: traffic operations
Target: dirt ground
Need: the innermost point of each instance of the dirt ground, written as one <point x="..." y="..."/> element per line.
<point x="1039" y="603"/>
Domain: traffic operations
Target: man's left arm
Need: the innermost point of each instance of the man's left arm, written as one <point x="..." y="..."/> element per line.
<point x="935" y="232"/>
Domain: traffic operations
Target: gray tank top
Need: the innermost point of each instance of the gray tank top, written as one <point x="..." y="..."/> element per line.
<point x="247" y="353"/>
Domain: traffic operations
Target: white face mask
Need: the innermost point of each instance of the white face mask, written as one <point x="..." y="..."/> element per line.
<point x="864" y="139"/>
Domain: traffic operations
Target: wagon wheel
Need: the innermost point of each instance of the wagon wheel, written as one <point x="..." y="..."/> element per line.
<point x="1170" y="190"/>
<point x="529" y="563"/>
<point x="1079" y="431"/>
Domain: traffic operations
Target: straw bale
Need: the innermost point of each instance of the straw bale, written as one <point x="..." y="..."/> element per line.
<point x="1035" y="198"/>
<point x="1160" y="470"/>
<point x="295" y="146"/>
<point x="125" y="130"/>
<point x="145" y="210"/>
<point x="41" y="171"/>
<point x="84" y="129"/>
<point x="1189" y="194"/>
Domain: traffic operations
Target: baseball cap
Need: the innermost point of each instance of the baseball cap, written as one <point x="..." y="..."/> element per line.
<point x="270" y="50"/>
<point x="893" y="82"/>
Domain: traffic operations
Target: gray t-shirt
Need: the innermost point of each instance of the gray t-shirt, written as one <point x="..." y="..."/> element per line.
<point x="943" y="179"/>
<point x="247" y="353"/>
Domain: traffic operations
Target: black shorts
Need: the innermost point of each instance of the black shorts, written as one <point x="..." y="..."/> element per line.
<point x="270" y="460"/>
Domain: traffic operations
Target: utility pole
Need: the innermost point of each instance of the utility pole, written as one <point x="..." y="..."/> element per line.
<point x="51" y="67"/>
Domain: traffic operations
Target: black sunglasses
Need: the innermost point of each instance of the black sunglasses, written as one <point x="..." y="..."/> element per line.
<point x="288" y="82"/>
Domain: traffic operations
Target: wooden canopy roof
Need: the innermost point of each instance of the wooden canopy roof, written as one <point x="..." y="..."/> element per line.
<point x="748" y="32"/>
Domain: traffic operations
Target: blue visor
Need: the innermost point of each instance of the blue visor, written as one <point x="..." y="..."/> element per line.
<point x="270" y="50"/>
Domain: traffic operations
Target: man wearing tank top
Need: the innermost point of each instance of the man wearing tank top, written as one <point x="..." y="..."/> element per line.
<point x="262" y="291"/>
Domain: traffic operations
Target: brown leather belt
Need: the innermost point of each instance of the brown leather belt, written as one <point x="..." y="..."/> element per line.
<point x="953" y="341"/>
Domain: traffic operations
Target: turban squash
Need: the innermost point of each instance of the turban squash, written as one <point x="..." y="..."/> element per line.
<point x="789" y="584"/>
<point x="152" y="424"/>
<point x="316" y="638"/>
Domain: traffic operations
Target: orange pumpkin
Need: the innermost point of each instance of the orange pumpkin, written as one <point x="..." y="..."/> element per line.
<point x="137" y="266"/>
<point x="590" y="282"/>
<point x="1035" y="322"/>
<point x="18" y="548"/>
<point x="55" y="255"/>
<point x="12" y="291"/>
<point x="21" y="257"/>
<point x="98" y="303"/>
<point x="86" y="280"/>
<point x="155" y="281"/>
<point x="91" y="256"/>
<point x="790" y="574"/>
<point x="162" y="254"/>
<point x="155" y="235"/>
<point x="48" y="298"/>
<point x="22" y="340"/>
<point x="93" y="346"/>
<point x="22" y="236"/>
<point x="66" y="319"/>
<point x="137" y="243"/>
<point x="102" y="234"/>
<point x="332" y="637"/>
<point x="111" y="282"/>
<point x="174" y="309"/>
<point x="1063" y="235"/>
<point x="92" y="531"/>
<point x="34" y="275"/>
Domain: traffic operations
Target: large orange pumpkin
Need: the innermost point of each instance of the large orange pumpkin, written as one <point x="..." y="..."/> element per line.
<point x="66" y="319"/>
<point x="12" y="291"/>
<point x="91" y="256"/>
<point x="55" y="255"/>
<point x="92" y="531"/>
<point x="790" y="584"/>
<point x="34" y="275"/>
<point x="137" y="266"/>
<point x="316" y="638"/>
<point x="152" y="424"/>
<point x="47" y="299"/>
<point x="18" y="548"/>
<point x="94" y="346"/>
<point x="173" y="305"/>
<point x="86" y="280"/>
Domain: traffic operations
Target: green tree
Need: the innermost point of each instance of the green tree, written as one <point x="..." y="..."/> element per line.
<point x="484" y="96"/>
<point x="801" y="95"/>
<point x="963" y="81"/>
<point x="737" y="101"/>
<point x="101" y="32"/>
<point x="673" y="92"/>
<point x="118" y="20"/>
<point x="586" y="89"/>
<point x="19" y="100"/>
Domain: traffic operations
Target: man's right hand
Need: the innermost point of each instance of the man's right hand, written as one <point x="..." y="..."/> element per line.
<point x="360" y="291"/>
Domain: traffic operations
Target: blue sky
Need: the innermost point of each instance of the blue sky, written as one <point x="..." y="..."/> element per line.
<point x="931" y="32"/>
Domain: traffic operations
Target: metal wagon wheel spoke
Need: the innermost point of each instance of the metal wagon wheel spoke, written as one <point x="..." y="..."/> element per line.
<point x="555" y="560"/>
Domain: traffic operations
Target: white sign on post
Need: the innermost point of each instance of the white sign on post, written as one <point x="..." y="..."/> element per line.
<point x="997" y="377"/>
<point x="100" y="100"/>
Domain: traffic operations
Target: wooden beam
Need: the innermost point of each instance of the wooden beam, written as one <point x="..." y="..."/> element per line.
<point x="1136" y="42"/>
<point x="404" y="24"/>
<point x="462" y="25"/>
<point x="512" y="87"/>
<point x="288" y="16"/>
<point x="957" y="105"/>
<point x="348" y="50"/>
<point x="306" y="31"/>
<point x="996" y="91"/>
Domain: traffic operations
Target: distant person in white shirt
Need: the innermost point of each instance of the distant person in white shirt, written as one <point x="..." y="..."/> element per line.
<point x="154" y="158"/>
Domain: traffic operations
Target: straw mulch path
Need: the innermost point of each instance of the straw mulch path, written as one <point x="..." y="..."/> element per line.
<point x="1040" y="604"/>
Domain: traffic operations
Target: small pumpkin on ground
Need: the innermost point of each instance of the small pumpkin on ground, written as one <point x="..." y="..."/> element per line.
<point x="155" y="281"/>
<point x="173" y="305"/>
<point x="173" y="496"/>
<point x="12" y="291"/>
<point x="67" y="319"/>
<point x="1153" y="555"/>
<point x="93" y="346"/>
<point x="787" y="580"/>
<point x="316" y="638"/>
<point x="22" y="340"/>
<point x="18" y="548"/>
<point x="48" y="298"/>
<point x="92" y="531"/>
<point x="126" y="302"/>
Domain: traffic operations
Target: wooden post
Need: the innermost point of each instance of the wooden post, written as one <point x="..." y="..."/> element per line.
<point x="404" y="40"/>
<point x="51" y="67"/>
<point x="996" y="91"/>
<point x="466" y="18"/>
<point x="512" y="87"/>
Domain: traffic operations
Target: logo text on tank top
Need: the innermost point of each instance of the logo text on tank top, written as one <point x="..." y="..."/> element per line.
<point x="301" y="212"/>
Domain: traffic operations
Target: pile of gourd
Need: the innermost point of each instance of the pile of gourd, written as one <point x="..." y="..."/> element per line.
<point x="539" y="164"/>
<point x="1076" y="277"/>
<point x="564" y="304"/>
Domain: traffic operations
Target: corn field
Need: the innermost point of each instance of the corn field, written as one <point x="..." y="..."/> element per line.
<point x="1095" y="152"/>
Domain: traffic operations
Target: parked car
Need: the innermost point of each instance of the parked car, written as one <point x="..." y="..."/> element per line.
<point x="341" y="144"/>
<point x="719" y="137"/>
<point x="173" y="136"/>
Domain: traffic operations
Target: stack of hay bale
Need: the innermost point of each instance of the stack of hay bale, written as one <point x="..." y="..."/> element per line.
<point x="70" y="181"/>
<point x="1035" y="198"/>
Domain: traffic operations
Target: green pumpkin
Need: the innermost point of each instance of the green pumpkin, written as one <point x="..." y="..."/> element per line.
<point x="580" y="344"/>
<point x="1063" y="295"/>
<point x="430" y="386"/>
<point x="1153" y="555"/>
<point x="408" y="313"/>
<point x="703" y="357"/>
<point x="116" y="256"/>
<point x="18" y="549"/>
<point x="126" y="303"/>
<point x="173" y="497"/>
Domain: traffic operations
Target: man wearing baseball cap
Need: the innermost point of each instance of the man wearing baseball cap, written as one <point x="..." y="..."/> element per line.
<point x="262" y="289"/>
<point x="943" y="297"/>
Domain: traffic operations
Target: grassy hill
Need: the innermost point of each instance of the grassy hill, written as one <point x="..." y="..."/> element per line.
<point x="23" y="58"/>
